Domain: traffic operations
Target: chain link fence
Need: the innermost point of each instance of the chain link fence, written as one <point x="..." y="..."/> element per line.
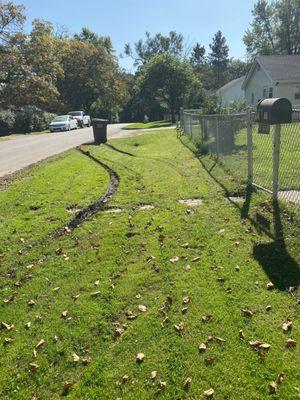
<point x="269" y="161"/>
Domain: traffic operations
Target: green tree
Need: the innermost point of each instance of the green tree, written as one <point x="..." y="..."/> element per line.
<point x="237" y="68"/>
<point x="11" y="20"/>
<point x="95" y="39"/>
<point x="197" y="58"/>
<point x="172" y="44"/>
<point x="275" y="28"/>
<point x="218" y="58"/>
<point x="170" y="82"/>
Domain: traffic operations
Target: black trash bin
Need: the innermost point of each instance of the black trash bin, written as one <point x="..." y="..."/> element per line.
<point x="100" y="130"/>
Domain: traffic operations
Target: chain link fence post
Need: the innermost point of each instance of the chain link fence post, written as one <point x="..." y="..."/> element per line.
<point x="250" y="148"/>
<point x="276" y="157"/>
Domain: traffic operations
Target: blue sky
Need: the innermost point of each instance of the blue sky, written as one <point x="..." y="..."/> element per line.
<point x="127" y="21"/>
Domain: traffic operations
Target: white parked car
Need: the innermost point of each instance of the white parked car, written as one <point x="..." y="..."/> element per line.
<point x="82" y="119"/>
<point x="63" y="123"/>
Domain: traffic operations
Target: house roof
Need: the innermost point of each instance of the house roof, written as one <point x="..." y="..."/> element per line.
<point x="230" y="84"/>
<point x="284" y="68"/>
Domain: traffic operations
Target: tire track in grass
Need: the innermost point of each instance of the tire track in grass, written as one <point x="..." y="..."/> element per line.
<point x="99" y="204"/>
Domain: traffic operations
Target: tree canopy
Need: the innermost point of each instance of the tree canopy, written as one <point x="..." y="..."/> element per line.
<point x="275" y="28"/>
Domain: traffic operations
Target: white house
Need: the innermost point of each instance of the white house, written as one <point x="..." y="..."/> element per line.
<point x="231" y="92"/>
<point x="273" y="76"/>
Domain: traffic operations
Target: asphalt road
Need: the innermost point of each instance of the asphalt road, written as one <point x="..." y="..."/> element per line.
<point x="19" y="152"/>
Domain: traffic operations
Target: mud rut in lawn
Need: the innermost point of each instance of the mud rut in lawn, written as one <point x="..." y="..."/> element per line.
<point x="107" y="290"/>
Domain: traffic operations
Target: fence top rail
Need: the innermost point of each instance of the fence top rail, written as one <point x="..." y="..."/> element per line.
<point x="188" y="113"/>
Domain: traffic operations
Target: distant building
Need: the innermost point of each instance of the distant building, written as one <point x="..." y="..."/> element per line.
<point x="273" y="76"/>
<point x="231" y="92"/>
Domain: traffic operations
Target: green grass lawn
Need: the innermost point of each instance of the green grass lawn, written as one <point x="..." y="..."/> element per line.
<point x="236" y="159"/>
<point x="149" y="125"/>
<point x="85" y="282"/>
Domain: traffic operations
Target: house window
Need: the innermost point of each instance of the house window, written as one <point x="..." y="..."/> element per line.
<point x="270" y="92"/>
<point x="297" y="92"/>
<point x="252" y="98"/>
<point x="265" y="88"/>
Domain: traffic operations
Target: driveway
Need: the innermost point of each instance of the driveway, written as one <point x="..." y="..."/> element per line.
<point x="19" y="152"/>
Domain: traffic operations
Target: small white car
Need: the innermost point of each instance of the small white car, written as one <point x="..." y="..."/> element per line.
<point x="82" y="119"/>
<point x="63" y="123"/>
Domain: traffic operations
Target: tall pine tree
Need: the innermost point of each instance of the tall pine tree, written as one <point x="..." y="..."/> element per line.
<point x="219" y="58"/>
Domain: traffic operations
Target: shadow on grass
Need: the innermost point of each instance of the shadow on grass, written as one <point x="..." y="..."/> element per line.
<point x="281" y="268"/>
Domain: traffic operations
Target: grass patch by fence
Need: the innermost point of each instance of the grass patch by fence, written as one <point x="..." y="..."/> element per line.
<point x="149" y="125"/>
<point x="84" y="282"/>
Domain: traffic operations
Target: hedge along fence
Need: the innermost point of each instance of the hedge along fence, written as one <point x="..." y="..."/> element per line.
<point x="28" y="119"/>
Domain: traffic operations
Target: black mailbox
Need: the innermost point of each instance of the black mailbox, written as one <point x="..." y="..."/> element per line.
<point x="274" y="111"/>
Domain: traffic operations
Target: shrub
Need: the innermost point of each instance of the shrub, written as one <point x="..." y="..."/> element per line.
<point x="7" y="122"/>
<point x="32" y="119"/>
<point x="146" y="119"/>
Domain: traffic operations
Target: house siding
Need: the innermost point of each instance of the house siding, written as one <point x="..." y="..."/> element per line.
<point x="287" y="90"/>
<point x="255" y="86"/>
<point x="233" y="93"/>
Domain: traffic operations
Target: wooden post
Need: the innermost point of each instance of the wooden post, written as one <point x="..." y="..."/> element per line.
<point x="250" y="148"/>
<point x="276" y="159"/>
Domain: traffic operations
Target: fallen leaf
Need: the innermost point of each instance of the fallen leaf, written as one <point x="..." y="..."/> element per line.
<point x="9" y="299"/>
<point x="187" y="268"/>
<point x="268" y="308"/>
<point x="195" y="259"/>
<point x="210" y="338"/>
<point x="119" y="332"/>
<point x="273" y="387"/>
<point x="241" y="334"/>
<point x="292" y="289"/>
<point x="75" y="357"/>
<point x="162" y="385"/>
<point x="75" y="296"/>
<point x="150" y="258"/>
<point x="8" y="340"/>
<point x="221" y="280"/>
<point x="165" y="320"/>
<point x="185" y="245"/>
<point x="206" y="318"/>
<point x="33" y="367"/>
<point x="69" y="384"/>
<point x="55" y="339"/>
<point x="209" y="393"/>
<point x="96" y="283"/>
<point x="184" y="310"/>
<point x="287" y="325"/>
<point x="290" y="343"/>
<point x="129" y="314"/>
<point x="174" y="259"/>
<point x="138" y="296"/>
<point x="86" y="360"/>
<point x="270" y="285"/>
<point x="125" y="378"/>
<point x="142" y="308"/>
<point x="40" y="343"/>
<point x="187" y="383"/>
<point x="31" y="303"/>
<point x="95" y="294"/>
<point x="220" y="340"/>
<point x="140" y="357"/>
<point x="65" y="313"/>
<point x="58" y="251"/>
<point x="280" y="377"/>
<point x="56" y="289"/>
<point x="264" y="346"/>
<point x="179" y="328"/>
<point x="34" y="353"/>
<point x="155" y="268"/>
<point x="186" y="300"/>
<point x="6" y="326"/>
<point x="153" y="375"/>
<point x="237" y="268"/>
<point x="247" y="313"/>
<point x="255" y="343"/>
<point x="202" y="347"/>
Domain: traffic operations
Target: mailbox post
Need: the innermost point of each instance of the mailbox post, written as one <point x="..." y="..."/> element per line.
<point x="275" y="111"/>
